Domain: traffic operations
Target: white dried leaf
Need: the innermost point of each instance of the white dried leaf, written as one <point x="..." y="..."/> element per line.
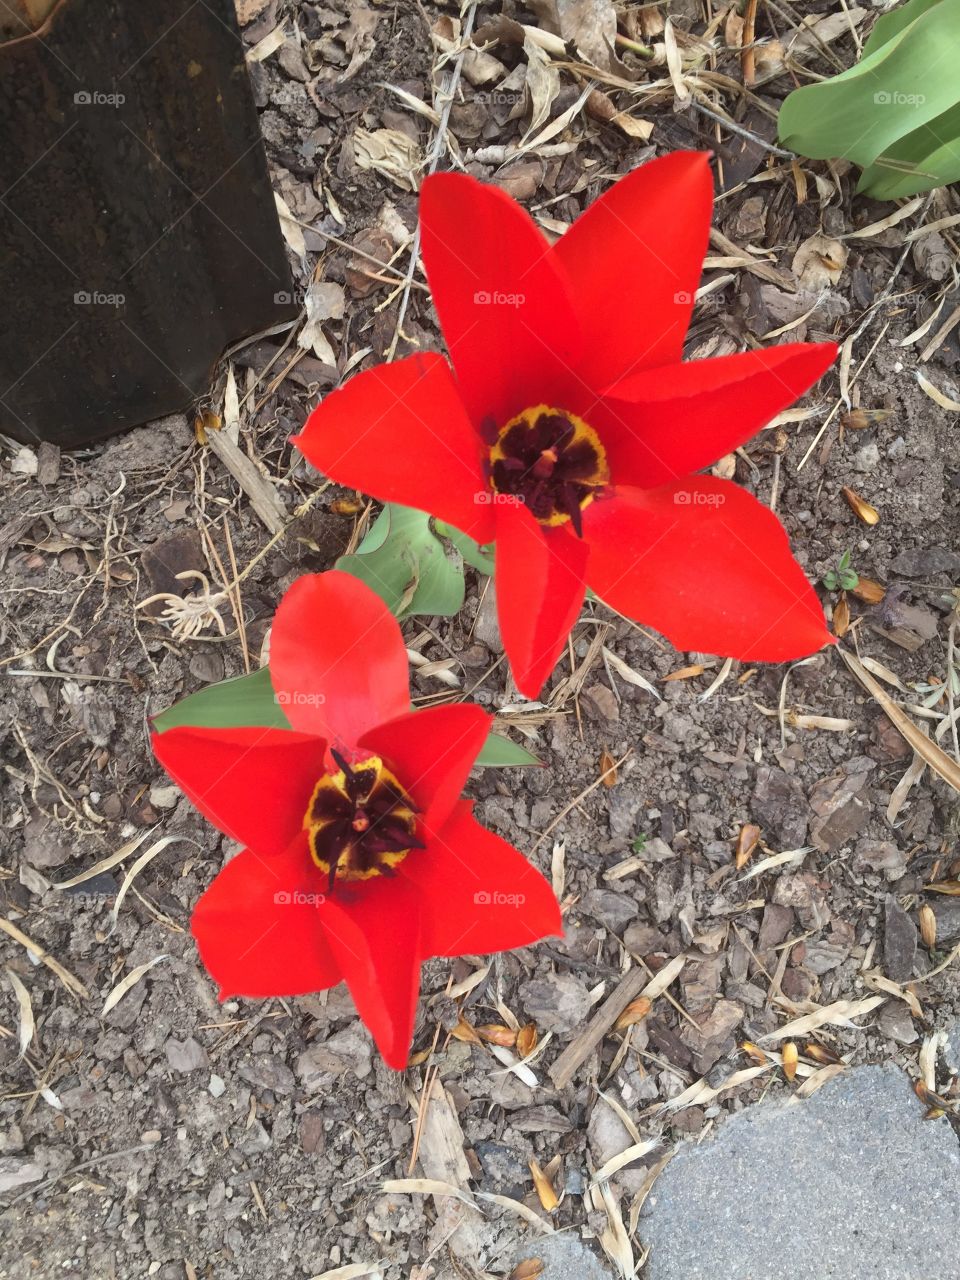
<point x="390" y="153"/>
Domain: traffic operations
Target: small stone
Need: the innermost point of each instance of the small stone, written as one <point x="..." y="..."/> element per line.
<point x="601" y="704"/>
<point x="505" y="1171"/>
<point x="895" y="1021"/>
<point x="779" y="806"/>
<point x="797" y="985"/>
<point x="562" y="1256"/>
<point x="714" y="1036"/>
<point x="882" y="856"/>
<point x="558" y="1002"/>
<point x="841" y="805"/>
<point x="151" y="1136"/>
<point x="867" y="457"/>
<point x="899" y="942"/>
<point x="346" y="1050"/>
<point x="615" y="910"/>
<point x="266" y="1071"/>
<point x="313" y="1138"/>
<point x="822" y="956"/>
<point x="185" y="1055"/>
<point x="804" y="893"/>
<point x="216" y="1088"/>
<point x="775" y="926"/>
<point x="162" y="797"/>
<point x="18" y="1171"/>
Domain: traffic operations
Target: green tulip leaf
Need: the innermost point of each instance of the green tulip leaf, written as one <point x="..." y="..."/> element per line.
<point x="499" y="752"/>
<point x="231" y="704"/>
<point x="897" y="112"/>
<point x="407" y="565"/>
<point x="473" y="554"/>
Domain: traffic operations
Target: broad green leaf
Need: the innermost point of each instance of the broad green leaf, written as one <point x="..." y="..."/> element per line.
<point x="250" y="700"/>
<point x="231" y="704"/>
<point x="498" y="752"/>
<point x="895" y="112"/>
<point x="471" y="550"/>
<point x="406" y="564"/>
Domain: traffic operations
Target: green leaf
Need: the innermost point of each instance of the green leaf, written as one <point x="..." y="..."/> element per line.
<point x="231" y="704"/>
<point x="406" y="564"/>
<point x="897" y="112"/>
<point x="472" y="552"/>
<point x="499" y="752"/>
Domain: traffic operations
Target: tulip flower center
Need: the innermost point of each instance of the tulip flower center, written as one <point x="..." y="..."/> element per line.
<point x="360" y="822"/>
<point x="551" y="461"/>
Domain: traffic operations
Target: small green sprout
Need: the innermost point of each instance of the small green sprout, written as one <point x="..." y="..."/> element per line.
<point x="841" y="577"/>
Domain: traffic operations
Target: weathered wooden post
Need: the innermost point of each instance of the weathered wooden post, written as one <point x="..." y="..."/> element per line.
<point x="138" y="231"/>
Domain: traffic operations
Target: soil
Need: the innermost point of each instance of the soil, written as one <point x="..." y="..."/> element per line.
<point x="175" y="1137"/>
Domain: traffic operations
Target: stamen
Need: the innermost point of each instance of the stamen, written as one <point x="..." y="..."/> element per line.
<point x="360" y="822"/>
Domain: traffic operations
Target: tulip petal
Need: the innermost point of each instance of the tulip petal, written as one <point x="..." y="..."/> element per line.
<point x="373" y="930"/>
<point x="400" y="433"/>
<point x="431" y="753"/>
<point x="252" y="784"/>
<point x="258" y="929"/>
<point x="479" y="894"/>
<point x="708" y="566"/>
<point x="337" y="659"/>
<point x="661" y="424"/>
<point x="540" y="584"/>
<point x="506" y="314"/>
<point x="634" y="259"/>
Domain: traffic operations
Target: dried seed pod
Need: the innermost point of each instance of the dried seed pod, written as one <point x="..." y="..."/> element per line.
<point x="345" y="506"/>
<point x="528" y="1269"/>
<point x="608" y="771"/>
<point x="753" y="1053"/>
<point x="868" y="591"/>
<point x="790" y="1056"/>
<point x="820" y="1053"/>
<point x="686" y="673"/>
<point x="841" y="617"/>
<point x="928" y="926"/>
<point x="860" y="507"/>
<point x="527" y="1039"/>
<point x="747" y="842"/>
<point x="635" y="1012"/>
<point x="465" y="1032"/>
<point x="496" y="1033"/>
<point x="545" y="1192"/>
<point x="860" y="419"/>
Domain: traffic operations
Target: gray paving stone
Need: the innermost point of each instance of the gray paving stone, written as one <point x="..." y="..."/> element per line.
<point x="565" y="1257"/>
<point x="852" y="1183"/>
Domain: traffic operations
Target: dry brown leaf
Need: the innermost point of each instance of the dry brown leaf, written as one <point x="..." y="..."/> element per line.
<point x="949" y="887"/>
<point x="860" y="507"/>
<point x="820" y="1053"/>
<point x="936" y="395"/>
<point x="819" y="262"/>
<point x="390" y="153"/>
<point x="747" y="843"/>
<point x="790" y="1058"/>
<point x="635" y="1012"/>
<point x="544" y="1187"/>
<point x="754" y="1053"/>
<point x="608" y="769"/>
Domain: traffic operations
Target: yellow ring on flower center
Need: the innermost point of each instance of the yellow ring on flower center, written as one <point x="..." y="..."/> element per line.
<point x="360" y="822"/>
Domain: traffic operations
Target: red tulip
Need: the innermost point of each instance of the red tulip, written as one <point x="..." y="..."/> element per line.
<point x="569" y="429"/>
<point x="361" y="859"/>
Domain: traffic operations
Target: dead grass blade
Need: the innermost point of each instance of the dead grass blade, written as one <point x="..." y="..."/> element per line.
<point x="935" y="757"/>
<point x="839" y="1014"/>
<point x="107" y="863"/>
<point x="131" y="980"/>
<point x="27" y="1024"/>
<point x="73" y="984"/>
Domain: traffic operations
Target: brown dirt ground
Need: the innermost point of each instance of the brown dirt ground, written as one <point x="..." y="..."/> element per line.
<point x="262" y="1132"/>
